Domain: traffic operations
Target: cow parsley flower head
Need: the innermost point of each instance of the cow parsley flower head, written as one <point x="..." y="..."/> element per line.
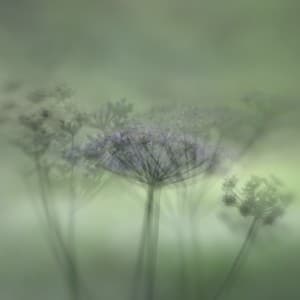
<point x="262" y="198"/>
<point x="151" y="155"/>
<point x="34" y="134"/>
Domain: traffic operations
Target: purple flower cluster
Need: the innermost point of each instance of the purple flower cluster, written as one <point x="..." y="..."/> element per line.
<point x="151" y="155"/>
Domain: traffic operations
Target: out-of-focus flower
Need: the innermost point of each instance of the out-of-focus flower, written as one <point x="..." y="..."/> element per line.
<point x="151" y="155"/>
<point x="36" y="135"/>
<point x="261" y="198"/>
<point x="112" y="115"/>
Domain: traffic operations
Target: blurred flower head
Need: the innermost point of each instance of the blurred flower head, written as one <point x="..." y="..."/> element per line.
<point x="151" y="155"/>
<point x="262" y="198"/>
<point x="112" y="115"/>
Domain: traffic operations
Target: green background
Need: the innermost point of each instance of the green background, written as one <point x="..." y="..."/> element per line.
<point x="155" y="52"/>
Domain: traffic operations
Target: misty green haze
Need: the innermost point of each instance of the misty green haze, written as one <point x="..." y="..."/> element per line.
<point x="159" y="52"/>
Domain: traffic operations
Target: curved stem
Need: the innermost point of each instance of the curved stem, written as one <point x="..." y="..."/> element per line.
<point x="236" y="263"/>
<point x="55" y="236"/>
<point x="51" y="229"/>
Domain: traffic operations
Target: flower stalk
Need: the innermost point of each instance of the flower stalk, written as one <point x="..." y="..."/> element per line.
<point x="262" y="199"/>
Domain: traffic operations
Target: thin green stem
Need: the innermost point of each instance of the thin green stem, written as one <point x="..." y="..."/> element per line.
<point x="227" y="283"/>
<point x="197" y="255"/>
<point x="183" y="276"/>
<point x="153" y="249"/>
<point x="138" y="273"/>
<point x="57" y="243"/>
<point x="71" y="234"/>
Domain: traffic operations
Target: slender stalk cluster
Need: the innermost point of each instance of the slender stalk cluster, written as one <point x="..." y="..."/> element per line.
<point x="48" y="131"/>
<point x="155" y="157"/>
<point x="43" y="130"/>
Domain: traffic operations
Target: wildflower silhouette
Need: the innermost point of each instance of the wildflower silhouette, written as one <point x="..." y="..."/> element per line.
<point x="262" y="199"/>
<point x="83" y="183"/>
<point x="82" y="180"/>
<point x="48" y="127"/>
<point x="154" y="157"/>
<point x="36" y="125"/>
